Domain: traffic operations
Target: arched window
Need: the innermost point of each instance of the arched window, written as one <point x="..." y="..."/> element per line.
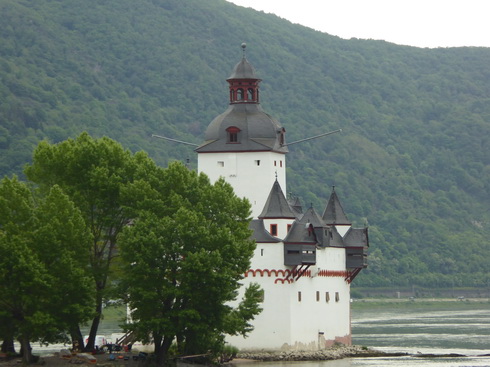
<point x="232" y="95"/>
<point x="250" y="94"/>
<point x="239" y="94"/>
<point x="233" y="136"/>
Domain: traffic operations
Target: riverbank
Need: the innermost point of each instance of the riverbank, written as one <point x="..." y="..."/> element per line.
<point x="332" y="353"/>
<point x="127" y="360"/>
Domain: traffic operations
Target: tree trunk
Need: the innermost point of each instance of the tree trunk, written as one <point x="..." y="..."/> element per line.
<point x="8" y="345"/>
<point x="26" y="350"/>
<point x="162" y="346"/>
<point x="95" y="323"/>
<point x="77" y="339"/>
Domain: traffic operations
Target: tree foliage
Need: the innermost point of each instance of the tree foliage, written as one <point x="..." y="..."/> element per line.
<point x="93" y="173"/>
<point x="44" y="282"/>
<point x="183" y="257"/>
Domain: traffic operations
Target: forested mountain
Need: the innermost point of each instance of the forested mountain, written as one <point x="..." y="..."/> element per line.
<point x="413" y="161"/>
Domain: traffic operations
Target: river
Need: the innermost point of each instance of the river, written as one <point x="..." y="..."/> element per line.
<point x="422" y="327"/>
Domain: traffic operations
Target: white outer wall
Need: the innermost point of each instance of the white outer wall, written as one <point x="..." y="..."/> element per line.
<point x="282" y="226"/>
<point x="249" y="180"/>
<point x="286" y="322"/>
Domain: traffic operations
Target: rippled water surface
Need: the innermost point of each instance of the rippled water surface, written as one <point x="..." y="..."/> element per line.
<point x="417" y="330"/>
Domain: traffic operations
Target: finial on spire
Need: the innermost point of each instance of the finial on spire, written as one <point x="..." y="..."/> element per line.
<point x="244" y="46"/>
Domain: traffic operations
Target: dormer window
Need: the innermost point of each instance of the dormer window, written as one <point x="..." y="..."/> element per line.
<point x="233" y="134"/>
<point x="282" y="133"/>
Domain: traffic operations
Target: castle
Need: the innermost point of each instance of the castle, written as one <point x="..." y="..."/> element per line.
<point x="304" y="261"/>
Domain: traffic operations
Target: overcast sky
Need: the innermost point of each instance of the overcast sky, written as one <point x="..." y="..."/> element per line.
<point x="421" y="23"/>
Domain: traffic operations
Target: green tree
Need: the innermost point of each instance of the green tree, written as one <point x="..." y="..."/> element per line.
<point x="183" y="258"/>
<point x="44" y="248"/>
<point x="93" y="173"/>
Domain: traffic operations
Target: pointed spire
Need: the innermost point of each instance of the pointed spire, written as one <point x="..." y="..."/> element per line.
<point x="277" y="206"/>
<point x="334" y="213"/>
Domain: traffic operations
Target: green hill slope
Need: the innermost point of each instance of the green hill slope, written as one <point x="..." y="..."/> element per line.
<point x="413" y="160"/>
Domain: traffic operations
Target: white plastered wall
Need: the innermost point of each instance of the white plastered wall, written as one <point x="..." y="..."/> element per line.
<point x="287" y="322"/>
<point x="254" y="178"/>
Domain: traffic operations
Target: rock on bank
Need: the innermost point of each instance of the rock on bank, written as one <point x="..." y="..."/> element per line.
<point x="337" y="352"/>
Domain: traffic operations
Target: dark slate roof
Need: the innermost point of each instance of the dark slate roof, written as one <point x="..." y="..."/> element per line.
<point x="301" y="233"/>
<point x="311" y="216"/>
<point x="276" y="205"/>
<point x="356" y="237"/>
<point x="258" y="131"/>
<point x="243" y="70"/>
<point x="335" y="238"/>
<point x="334" y="213"/>
<point x="259" y="232"/>
<point x="295" y="205"/>
<point x="303" y="229"/>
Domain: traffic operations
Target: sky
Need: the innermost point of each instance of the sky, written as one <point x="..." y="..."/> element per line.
<point x="420" y="23"/>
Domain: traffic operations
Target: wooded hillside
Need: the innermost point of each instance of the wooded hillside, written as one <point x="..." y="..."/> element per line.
<point x="413" y="160"/>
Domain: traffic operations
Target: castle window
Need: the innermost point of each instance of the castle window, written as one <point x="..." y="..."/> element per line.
<point x="299" y="296"/>
<point x="317" y="296"/>
<point x="261" y="252"/>
<point x="239" y="94"/>
<point x="327" y="297"/>
<point x="233" y="134"/>
<point x="257" y="162"/>
<point x="232" y="95"/>
<point x="280" y="163"/>
<point x="274" y="229"/>
<point x="221" y="164"/>
<point x="337" y="297"/>
<point x="250" y="94"/>
<point x="289" y="227"/>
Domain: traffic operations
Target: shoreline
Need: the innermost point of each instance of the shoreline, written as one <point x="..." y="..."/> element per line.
<point x="331" y="353"/>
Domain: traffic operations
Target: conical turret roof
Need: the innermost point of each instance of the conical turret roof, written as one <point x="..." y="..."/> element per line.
<point x="243" y="70"/>
<point x="334" y="213"/>
<point x="276" y="205"/>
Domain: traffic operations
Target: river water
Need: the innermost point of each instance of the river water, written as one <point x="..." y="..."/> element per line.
<point x="457" y="328"/>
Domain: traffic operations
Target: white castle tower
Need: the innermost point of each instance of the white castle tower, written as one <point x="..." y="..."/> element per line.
<point x="304" y="262"/>
<point x="244" y="144"/>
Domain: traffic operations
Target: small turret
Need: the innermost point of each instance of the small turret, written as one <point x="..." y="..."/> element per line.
<point x="334" y="214"/>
